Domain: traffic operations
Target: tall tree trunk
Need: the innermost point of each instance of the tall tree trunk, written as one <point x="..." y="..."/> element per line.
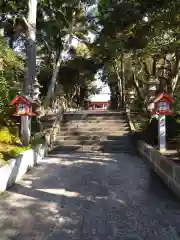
<point x="119" y="85"/>
<point x="165" y="77"/>
<point x="122" y="80"/>
<point x="65" y="50"/>
<point x="31" y="65"/>
<point x="52" y="85"/>
<point x="174" y="82"/>
<point x="175" y="70"/>
<point x="139" y="92"/>
<point x="31" y="46"/>
<point x="114" y="99"/>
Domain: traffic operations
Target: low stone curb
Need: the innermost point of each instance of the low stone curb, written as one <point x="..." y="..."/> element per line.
<point x="165" y="168"/>
<point x="15" y="168"/>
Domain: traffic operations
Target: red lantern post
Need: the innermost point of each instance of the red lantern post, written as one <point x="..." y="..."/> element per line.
<point x="24" y="110"/>
<point x="162" y="107"/>
<point x="23" y="106"/>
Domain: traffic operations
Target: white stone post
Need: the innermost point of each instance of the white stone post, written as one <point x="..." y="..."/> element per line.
<point x="25" y="130"/>
<point x="162" y="133"/>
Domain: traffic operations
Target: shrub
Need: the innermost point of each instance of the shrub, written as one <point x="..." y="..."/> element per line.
<point x="10" y="145"/>
<point x="15" y="151"/>
<point x="5" y="136"/>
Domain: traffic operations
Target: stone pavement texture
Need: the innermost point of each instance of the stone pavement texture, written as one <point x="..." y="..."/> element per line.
<point x="78" y="194"/>
<point x="90" y="196"/>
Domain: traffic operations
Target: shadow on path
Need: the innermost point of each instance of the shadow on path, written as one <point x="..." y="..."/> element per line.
<point x="90" y="196"/>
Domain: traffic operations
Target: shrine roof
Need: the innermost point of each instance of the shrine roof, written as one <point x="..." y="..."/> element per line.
<point x="22" y="99"/>
<point x="163" y="96"/>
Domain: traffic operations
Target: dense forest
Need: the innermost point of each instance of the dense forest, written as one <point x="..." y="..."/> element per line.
<point x="135" y="47"/>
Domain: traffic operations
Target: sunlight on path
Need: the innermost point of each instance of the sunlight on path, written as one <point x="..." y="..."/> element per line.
<point x="89" y="196"/>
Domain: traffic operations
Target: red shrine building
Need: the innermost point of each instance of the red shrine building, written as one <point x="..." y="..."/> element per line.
<point x="99" y="101"/>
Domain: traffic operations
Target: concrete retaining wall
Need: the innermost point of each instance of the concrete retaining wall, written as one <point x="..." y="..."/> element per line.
<point x="16" y="168"/>
<point x="168" y="170"/>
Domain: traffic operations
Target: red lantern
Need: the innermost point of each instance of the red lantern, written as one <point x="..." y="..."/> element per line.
<point x="23" y="105"/>
<point x="163" y="104"/>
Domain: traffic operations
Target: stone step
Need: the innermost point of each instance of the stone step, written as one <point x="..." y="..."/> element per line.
<point x="93" y="118"/>
<point x="88" y="136"/>
<point x="120" y="121"/>
<point x="95" y="113"/>
<point x="93" y="148"/>
<point x="91" y="122"/>
<point x="105" y="132"/>
<point x="96" y="119"/>
<point x="92" y="133"/>
<point x="92" y="136"/>
<point x="100" y="142"/>
<point x="86" y="123"/>
<point x="94" y="125"/>
<point x="94" y="128"/>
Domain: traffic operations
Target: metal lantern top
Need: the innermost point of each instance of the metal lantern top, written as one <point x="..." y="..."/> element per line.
<point x="36" y="84"/>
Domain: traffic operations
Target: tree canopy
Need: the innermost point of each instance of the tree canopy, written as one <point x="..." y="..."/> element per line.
<point x="139" y="44"/>
<point x="136" y="43"/>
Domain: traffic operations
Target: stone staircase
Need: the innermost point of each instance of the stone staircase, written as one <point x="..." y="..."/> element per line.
<point x="106" y="132"/>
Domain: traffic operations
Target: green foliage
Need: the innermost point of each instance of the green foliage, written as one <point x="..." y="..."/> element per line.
<point x="82" y="51"/>
<point x="9" y="65"/>
<point x="75" y="78"/>
<point x="15" y="151"/>
<point x="3" y="93"/>
<point x="176" y="104"/>
<point x="10" y="145"/>
<point x="146" y="33"/>
<point x="5" y="136"/>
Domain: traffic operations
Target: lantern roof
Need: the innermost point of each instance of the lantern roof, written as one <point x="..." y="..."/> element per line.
<point x="37" y="84"/>
<point x="163" y="96"/>
<point x="22" y="99"/>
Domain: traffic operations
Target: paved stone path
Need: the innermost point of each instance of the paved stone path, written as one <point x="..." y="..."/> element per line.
<point x="88" y="196"/>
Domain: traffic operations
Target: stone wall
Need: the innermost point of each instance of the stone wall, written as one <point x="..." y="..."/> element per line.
<point x="15" y="169"/>
<point x="168" y="170"/>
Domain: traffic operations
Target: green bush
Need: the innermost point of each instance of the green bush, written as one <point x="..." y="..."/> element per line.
<point x="16" y="151"/>
<point x="5" y="136"/>
<point x="10" y="145"/>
